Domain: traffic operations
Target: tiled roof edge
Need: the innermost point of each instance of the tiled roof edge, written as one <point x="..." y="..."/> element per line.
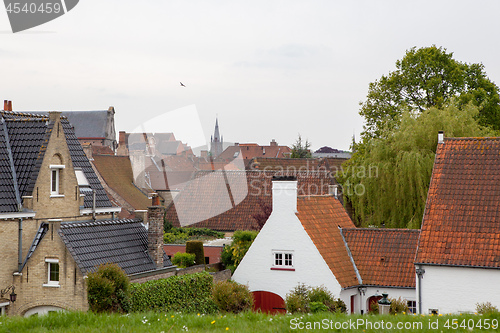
<point x="76" y="224"/>
<point x="358" y="275"/>
<point x="451" y="265"/>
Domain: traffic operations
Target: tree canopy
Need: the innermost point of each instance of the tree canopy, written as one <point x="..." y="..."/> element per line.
<point x="388" y="177"/>
<point x="424" y="78"/>
<point x="301" y="150"/>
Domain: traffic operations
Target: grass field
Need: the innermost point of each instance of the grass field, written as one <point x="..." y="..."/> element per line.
<point x="247" y="322"/>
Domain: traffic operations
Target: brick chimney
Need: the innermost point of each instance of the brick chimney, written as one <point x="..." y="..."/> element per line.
<point x="121" y="138"/>
<point x="54" y="115"/>
<point x="273" y="143"/>
<point x="285" y="194"/>
<point x="155" y="231"/>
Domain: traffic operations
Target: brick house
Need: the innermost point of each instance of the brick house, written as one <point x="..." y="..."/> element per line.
<point x="47" y="186"/>
<point x="458" y="255"/>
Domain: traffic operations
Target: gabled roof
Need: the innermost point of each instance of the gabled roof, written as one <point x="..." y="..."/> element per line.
<point x="228" y="200"/>
<point x="28" y="135"/>
<point x="88" y="124"/>
<point x="384" y="257"/>
<point x="461" y="224"/>
<point x="321" y="217"/>
<point x="124" y="242"/>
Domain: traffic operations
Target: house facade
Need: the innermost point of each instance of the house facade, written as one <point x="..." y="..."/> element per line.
<point x="47" y="184"/>
<point x="458" y="256"/>
<point x="311" y="240"/>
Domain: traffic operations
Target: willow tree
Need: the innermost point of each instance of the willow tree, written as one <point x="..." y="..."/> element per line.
<point x="388" y="177"/>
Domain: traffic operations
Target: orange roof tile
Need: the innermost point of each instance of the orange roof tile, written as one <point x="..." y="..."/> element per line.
<point x="321" y="217"/>
<point x="384" y="257"/>
<point x="461" y="224"/>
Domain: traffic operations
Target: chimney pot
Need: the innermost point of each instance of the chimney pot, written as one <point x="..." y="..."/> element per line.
<point x="9" y="105"/>
<point x="5" y="105"/>
<point x="440" y="137"/>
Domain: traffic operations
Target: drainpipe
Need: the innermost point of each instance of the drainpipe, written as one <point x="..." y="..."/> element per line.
<point x="420" y="274"/>
<point x="20" y="244"/>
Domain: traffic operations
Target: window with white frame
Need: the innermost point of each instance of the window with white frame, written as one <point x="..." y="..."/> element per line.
<point x="412" y="306"/>
<point x="52" y="272"/>
<point x="55" y="179"/>
<point x="283" y="260"/>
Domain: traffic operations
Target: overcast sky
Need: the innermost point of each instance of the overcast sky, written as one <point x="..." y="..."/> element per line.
<point x="268" y="69"/>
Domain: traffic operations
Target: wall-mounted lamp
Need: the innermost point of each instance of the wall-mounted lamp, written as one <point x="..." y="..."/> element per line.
<point x="12" y="296"/>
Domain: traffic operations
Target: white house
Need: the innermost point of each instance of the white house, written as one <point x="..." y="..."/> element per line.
<point x="458" y="254"/>
<point x="300" y="243"/>
<point x="311" y="240"/>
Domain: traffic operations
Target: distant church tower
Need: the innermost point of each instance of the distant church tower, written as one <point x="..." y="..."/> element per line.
<point x="216" y="141"/>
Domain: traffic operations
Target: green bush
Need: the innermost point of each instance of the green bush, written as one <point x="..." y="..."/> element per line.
<point x="232" y="255"/>
<point x="297" y="300"/>
<point x="232" y="297"/>
<point x="398" y="306"/>
<point x="108" y="289"/>
<point x="306" y="299"/>
<point x="190" y="293"/>
<point x="196" y="248"/>
<point x="181" y="235"/>
<point x="486" y="308"/>
<point x="183" y="260"/>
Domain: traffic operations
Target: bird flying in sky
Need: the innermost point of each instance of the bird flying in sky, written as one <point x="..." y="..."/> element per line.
<point x="182" y="84"/>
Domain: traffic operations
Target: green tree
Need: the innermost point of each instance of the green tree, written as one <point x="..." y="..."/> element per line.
<point x="388" y="177"/>
<point x="301" y="150"/>
<point x="232" y="255"/>
<point x="424" y="78"/>
<point x="108" y="289"/>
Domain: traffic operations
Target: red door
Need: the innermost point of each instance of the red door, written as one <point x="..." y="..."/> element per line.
<point x="268" y="302"/>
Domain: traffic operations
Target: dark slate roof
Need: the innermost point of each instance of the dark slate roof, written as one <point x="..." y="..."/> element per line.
<point x="461" y="223"/>
<point x="28" y="135"/>
<point x="124" y="242"/>
<point x="88" y="124"/>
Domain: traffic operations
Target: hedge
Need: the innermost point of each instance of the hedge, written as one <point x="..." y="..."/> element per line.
<point x="191" y="293"/>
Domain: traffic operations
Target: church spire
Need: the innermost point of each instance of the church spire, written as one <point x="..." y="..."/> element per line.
<point x="216" y="141"/>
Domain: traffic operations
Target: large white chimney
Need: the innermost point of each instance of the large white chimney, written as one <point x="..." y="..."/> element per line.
<point x="284" y="194"/>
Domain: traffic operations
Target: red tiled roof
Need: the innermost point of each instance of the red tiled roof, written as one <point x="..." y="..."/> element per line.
<point x="207" y="202"/>
<point x="288" y="164"/>
<point x="461" y="224"/>
<point x="384" y="257"/>
<point x="249" y="151"/>
<point x="321" y="217"/>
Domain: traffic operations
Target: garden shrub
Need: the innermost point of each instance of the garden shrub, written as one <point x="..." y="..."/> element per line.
<point x="190" y="293"/>
<point x="232" y="297"/>
<point x="183" y="260"/>
<point x="108" y="289"/>
<point x="306" y="299"/>
<point x="196" y="248"/>
<point x="486" y="308"/>
<point x="181" y="235"/>
<point x="398" y="306"/>
<point x="297" y="300"/>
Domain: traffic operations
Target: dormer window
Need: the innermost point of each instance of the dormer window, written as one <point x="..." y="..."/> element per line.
<point x="81" y="178"/>
<point x="55" y="180"/>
